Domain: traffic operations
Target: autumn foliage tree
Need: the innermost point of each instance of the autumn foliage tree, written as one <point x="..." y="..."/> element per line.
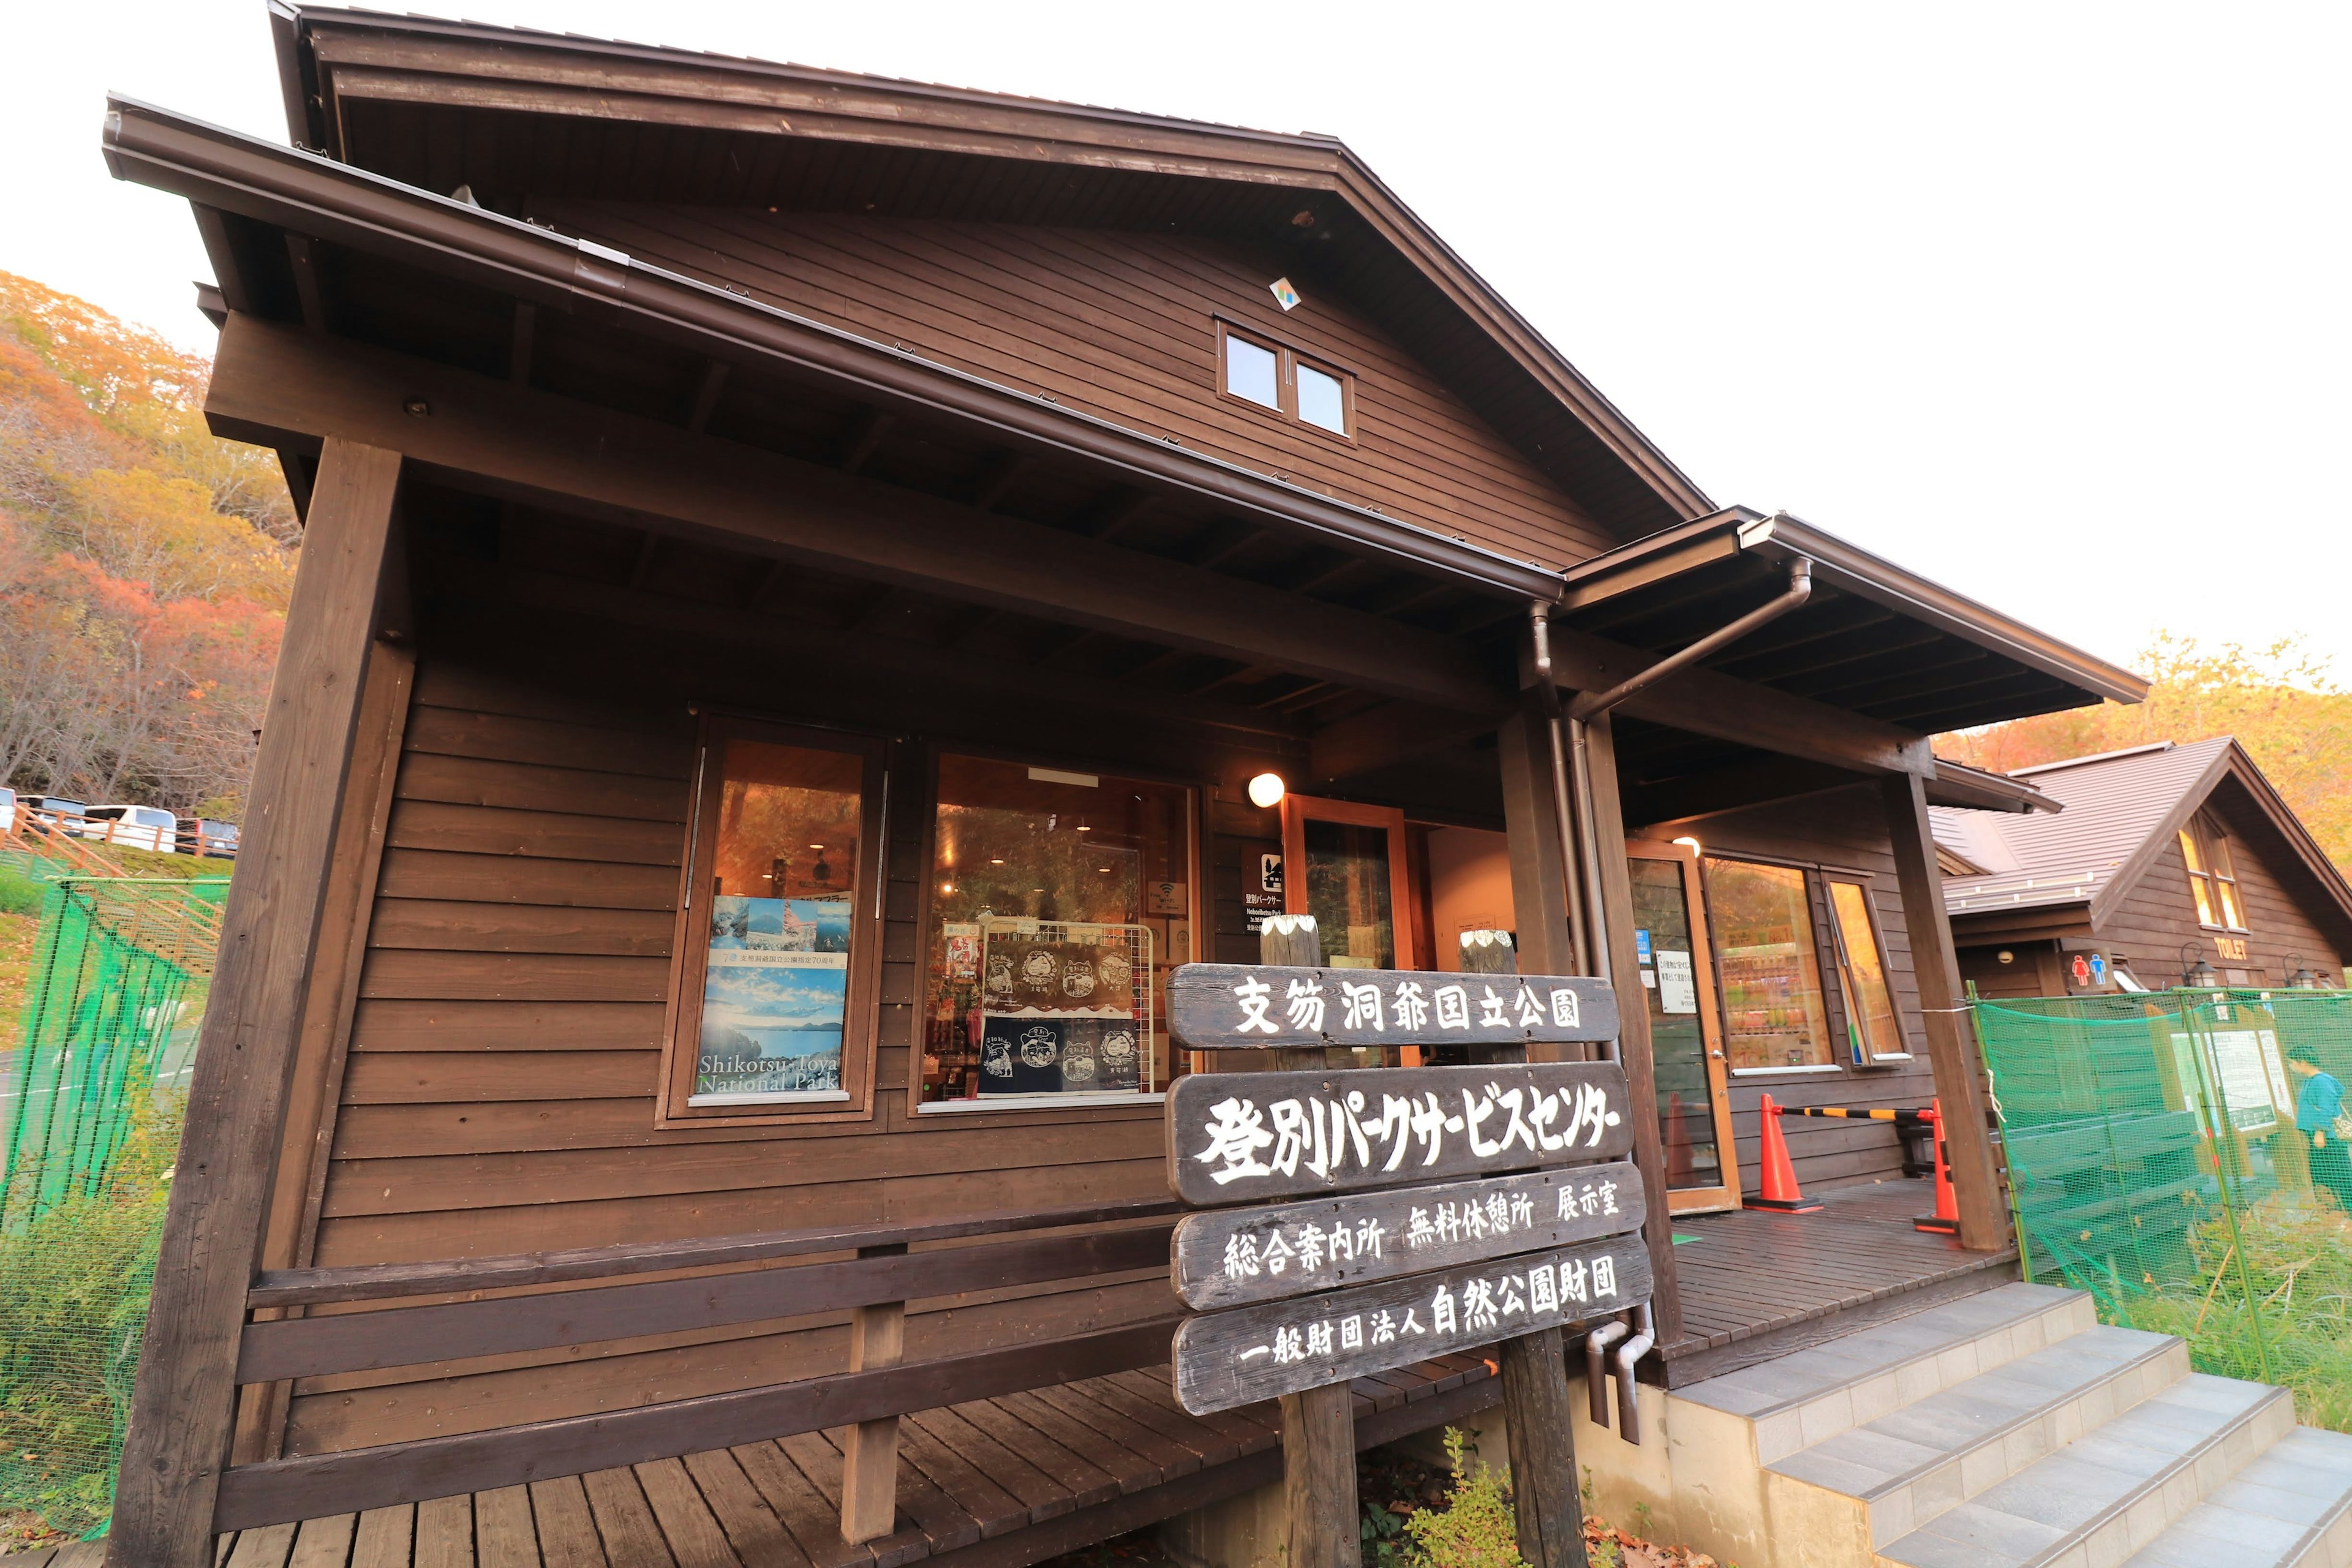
<point x="144" y="566"/>
<point x="2278" y="701"/>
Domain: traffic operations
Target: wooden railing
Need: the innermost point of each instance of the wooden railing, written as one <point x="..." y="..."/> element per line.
<point x="879" y="1280"/>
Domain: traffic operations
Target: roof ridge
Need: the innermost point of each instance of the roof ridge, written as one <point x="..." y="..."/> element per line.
<point x="2099" y="757"/>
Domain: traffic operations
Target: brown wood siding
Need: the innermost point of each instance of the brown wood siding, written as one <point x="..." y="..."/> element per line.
<point x="2159" y="914"/>
<point x="1845" y="830"/>
<point x="506" y="1049"/>
<point x="1123" y="326"/>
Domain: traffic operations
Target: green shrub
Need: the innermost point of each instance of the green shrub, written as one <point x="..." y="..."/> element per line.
<point x="1477" y="1527"/>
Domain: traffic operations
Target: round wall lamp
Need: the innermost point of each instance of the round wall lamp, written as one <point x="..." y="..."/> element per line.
<point x="1265" y="790"/>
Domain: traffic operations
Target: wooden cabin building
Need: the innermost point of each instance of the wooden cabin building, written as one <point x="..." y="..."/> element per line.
<point x="2170" y="865"/>
<point x="802" y="571"/>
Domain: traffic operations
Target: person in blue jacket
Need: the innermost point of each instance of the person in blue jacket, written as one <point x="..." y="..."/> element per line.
<point x="2318" y="1106"/>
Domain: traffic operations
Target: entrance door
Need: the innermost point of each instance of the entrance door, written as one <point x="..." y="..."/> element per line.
<point x="1685" y="1031"/>
<point x="1346" y="865"/>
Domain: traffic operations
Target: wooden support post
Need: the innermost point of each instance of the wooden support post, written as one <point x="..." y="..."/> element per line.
<point x="1536" y="1411"/>
<point x="1537" y="1419"/>
<point x="869" y="1466"/>
<point x="1634" y="1037"/>
<point x="1318" y="1477"/>
<point x="182" y="1407"/>
<point x="1951" y="1046"/>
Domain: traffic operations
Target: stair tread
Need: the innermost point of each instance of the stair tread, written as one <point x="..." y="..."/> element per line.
<point x="1870" y="1459"/>
<point x="2269" y="1514"/>
<point x="2025" y="1518"/>
<point x="1858" y="1357"/>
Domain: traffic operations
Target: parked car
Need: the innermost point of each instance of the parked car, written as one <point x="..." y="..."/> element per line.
<point x="202" y="836"/>
<point x="7" y="810"/>
<point x="56" y="814"/>
<point x="134" y="826"/>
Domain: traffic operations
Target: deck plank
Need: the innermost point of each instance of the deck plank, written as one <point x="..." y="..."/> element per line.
<point x="695" y="1539"/>
<point x="445" y="1532"/>
<point x="757" y="1537"/>
<point x="1131" y="1470"/>
<point x="504" y="1535"/>
<point x="567" y="1531"/>
<point x="383" y="1537"/>
<point x="633" y="1537"/>
<point x="324" y="1543"/>
<point x="1212" y="1445"/>
<point x="267" y="1547"/>
<point x="1087" y="1482"/>
<point x="814" y="1524"/>
<point x="818" y="1459"/>
<point x="990" y="1506"/>
<point x="1173" y="1458"/>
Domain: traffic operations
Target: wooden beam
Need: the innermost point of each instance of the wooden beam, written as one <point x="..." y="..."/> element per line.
<point x="706" y="395"/>
<point x="869" y="1459"/>
<point x="1390" y="733"/>
<point x="1531" y="838"/>
<point x="302" y="254"/>
<point x="273" y="385"/>
<point x="523" y="340"/>
<point x="1125" y="513"/>
<point x="1633" y="1043"/>
<point x="1707" y="703"/>
<point x="996" y="476"/>
<point x="220" y="249"/>
<point x="1733" y="788"/>
<point x="866" y="440"/>
<point x="1951" y="1044"/>
<point x="1539" y="1428"/>
<point x="181" y="1407"/>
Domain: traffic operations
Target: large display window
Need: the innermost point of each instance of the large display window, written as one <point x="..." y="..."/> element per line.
<point x="772" y="1011"/>
<point x="1058" y="900"/>
<point x="1775" y="1014"/>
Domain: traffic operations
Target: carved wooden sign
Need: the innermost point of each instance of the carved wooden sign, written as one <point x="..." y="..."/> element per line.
<point x="1227" y="1258"/>
<point x="1228" y="1006"/>
<point x="1248" y="1354"/>
<point x="1236" y="1138"/>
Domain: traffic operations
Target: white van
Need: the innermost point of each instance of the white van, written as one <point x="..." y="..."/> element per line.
<point x="7" y="809"/>
<point x="138" y="827"/>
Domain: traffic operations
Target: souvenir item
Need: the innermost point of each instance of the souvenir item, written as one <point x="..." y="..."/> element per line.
<point x="1113" y="969"/>
<point x="999" y="975"/>
<point x="1081" y="1045"/>
<point x="1039" y="969"/>
<point x="1077" y="978"/>
<point x="1117" y="1055"/>
<point x="1037" y="1055"/>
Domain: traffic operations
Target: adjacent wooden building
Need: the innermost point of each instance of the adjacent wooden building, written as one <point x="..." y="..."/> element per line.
<point x="803" y="572"/>
<point x="2170" y="865"/>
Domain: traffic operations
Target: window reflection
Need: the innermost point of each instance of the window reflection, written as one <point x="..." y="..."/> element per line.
<point x="1761" y="918"/>
<point x="1250" y="372"/>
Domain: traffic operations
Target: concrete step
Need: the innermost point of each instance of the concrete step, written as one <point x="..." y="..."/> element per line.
<point x="1896" y="1473"/>
<point x="2292" y="1508"/>
<point x="2113" y="1491"/>
<point x="1805" y="1397"/>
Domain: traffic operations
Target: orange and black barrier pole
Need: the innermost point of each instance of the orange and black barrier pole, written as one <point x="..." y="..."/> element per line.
<point x="1779" y="1179"/>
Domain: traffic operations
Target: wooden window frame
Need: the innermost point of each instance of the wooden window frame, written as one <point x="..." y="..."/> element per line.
<point x="2211" y="844"/>
<point x="1404" y="915"/>
<point x="1288" y="359"/>
<point x="1826" y="957"/>
<point x="682" y="1017"/>
<point x="928" y="1116"/>
<point x="1862" y="881"/>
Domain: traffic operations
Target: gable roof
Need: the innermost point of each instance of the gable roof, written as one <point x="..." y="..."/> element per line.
<point x="505" y="111"/>
<point x="2120" y="810"/>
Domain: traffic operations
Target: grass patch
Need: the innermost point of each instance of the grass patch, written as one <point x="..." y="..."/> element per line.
<point x="73" y="1304"/>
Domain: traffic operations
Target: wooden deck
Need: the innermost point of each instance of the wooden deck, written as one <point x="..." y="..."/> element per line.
<point x="995" y="1483"/>
<point x="1757" y="1284"/>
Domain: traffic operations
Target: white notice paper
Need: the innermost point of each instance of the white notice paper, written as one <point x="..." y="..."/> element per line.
<point x="1677" y="991"/>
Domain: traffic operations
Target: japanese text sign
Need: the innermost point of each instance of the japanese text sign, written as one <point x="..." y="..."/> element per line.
<point x="1249" y="1353"/>
<point x="1235" y="1138"/>
<point x="1226" y="1257"/>
<point x="1224" y="1006"/>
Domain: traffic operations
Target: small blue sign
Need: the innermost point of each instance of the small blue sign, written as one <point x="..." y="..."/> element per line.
<point x="2098" y="969"/>
<point x="1642" y="945"/>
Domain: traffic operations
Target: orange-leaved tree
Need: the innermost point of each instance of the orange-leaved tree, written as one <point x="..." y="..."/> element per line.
<point x="2279" y="701"/>
<point x="145" y="565"/>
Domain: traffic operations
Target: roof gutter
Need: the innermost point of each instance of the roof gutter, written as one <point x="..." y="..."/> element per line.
<point x="311" y="193"/>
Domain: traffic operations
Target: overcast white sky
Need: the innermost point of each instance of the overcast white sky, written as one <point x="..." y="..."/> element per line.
<point x="2046" y="301"/>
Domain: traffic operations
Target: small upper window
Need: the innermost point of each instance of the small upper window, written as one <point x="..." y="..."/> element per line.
<point x="1276" y="378"/>
<point x="1253" y="373"/>
<point x="1322" y="400"/>
<point x="2212" y="875"/>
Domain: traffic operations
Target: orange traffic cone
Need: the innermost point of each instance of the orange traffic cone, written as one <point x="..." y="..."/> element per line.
<point x="1946" y="1217"/>
<point x="1779" y="1177"/>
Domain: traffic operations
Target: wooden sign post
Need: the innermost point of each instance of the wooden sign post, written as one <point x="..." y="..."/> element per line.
<point x="1397" y="1214"/>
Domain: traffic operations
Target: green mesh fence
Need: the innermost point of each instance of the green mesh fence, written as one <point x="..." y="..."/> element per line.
<point x="93" y="1105"/>
<point x="2181" y="1155"/>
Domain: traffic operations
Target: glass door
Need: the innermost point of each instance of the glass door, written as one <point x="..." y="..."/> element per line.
<point x="1346" y="865"/>
<point x="1686" y="1036"/>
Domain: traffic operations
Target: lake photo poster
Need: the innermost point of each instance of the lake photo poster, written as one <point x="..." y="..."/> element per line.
<point x="772" y="1016"/>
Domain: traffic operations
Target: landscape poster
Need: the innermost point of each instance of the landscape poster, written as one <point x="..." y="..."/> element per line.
<point x="774" y="995"/>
